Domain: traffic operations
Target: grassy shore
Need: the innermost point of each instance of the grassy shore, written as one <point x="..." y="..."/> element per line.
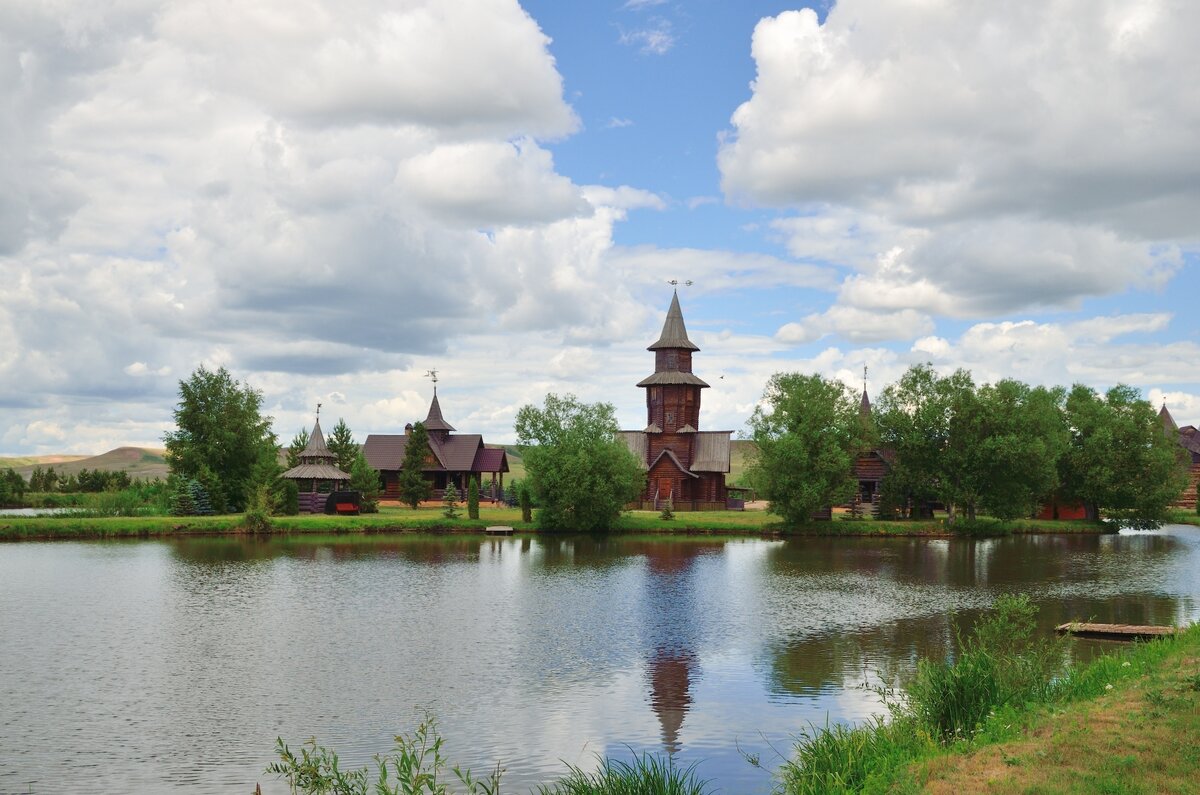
<point x="1004" y="716"/>
<point x="429" y="518"/>
<point x="1140" y="736"/>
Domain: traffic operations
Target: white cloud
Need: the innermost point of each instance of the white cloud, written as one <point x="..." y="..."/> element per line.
<point x="1000" y="158"/>
<point x="616" y="123"/>
<point x="655" y="39"/>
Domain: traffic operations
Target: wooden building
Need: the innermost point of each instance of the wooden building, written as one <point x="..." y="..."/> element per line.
<point x="317" y="474"/>
<point x="1189" y="440"/>
<point x="683" y="464"/>
<point x="454" y="458"/>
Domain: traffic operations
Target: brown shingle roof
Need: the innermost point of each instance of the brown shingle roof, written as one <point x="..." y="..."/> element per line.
<point x="316" y="472"/>
<point x="712" y="451"/>
<point x="675" y="461"/>
<point x="490" y="460"/>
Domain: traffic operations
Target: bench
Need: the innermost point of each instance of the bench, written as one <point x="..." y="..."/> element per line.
<point x="347" y="507"/>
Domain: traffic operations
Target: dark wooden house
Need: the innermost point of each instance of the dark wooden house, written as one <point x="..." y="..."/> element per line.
<point x="317" y="474"/>
<point x="1189" y="440"/>
<point x="454" y="458"/>
<point x="683" y="464"/>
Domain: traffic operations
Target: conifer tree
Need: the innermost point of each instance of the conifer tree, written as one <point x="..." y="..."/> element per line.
<point x="473" y="499"/>
<point x="413" y="485"/>
<point x="450" y="501"/>
<point x="299" y="443"/>
<point x="364" y="479"/>
<point x="341" y="443"/>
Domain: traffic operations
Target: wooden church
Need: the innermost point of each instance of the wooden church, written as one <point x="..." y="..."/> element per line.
<point x="684" y="465"/>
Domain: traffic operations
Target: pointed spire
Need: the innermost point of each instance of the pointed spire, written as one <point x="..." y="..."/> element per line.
<point x="864" y="407"/>
<point x="674" y="333"/>
<point x="1169" y="426"/>
<point x="434" y="421"/>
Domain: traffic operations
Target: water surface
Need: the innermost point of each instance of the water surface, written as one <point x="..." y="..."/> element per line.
<point x="150" y="666"/>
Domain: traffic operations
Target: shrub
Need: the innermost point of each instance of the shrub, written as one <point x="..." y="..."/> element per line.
<point x="473" y="499"/>
<point x="667" y="514"/>
<point x="288" y="498"/>
<point x="260" y="504"/>
<point x="526" y="504"/>
<point x="450" y="501"/>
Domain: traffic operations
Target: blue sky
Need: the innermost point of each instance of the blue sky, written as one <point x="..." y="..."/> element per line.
<point x="332" y="200"/>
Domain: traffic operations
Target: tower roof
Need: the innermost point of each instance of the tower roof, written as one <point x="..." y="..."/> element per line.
<point x="864" y="406"/>
<point x="435" y="421"/>
<point x="674" y="333"/>
<point x="1168" y="421"/>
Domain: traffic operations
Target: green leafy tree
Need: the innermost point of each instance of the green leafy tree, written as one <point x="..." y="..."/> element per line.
<point x="413" y="486"/>
<point x="1119" y="463"/>
<point x="341" y="443"/>
<point x="220" y="436"/>
<point x="806" y="438"/>
<point x="298" y="445"/>
<point x="1023" y="437"/>
<point x="37" y="479"/>
<point x="450" y="501"/>
<point x="50" y="480"/>
<point x="289" y="498"/>
<point x="581" y="474"/>
<point x="364" y="479"/>
<point x="473" y="499"/>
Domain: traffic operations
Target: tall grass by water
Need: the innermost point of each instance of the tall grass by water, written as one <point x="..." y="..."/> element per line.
<point x="416" y="766"/>
<point x="1002" y="673"/>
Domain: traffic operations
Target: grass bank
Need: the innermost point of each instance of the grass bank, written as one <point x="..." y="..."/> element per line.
<point x="429" y="518"/>
<point x="1180" y="516"/>
<point x="1004" y="716"/>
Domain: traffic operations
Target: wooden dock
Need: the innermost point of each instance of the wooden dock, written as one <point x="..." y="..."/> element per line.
<point x="499" y="530"/>
<point x="1114" y="631"/>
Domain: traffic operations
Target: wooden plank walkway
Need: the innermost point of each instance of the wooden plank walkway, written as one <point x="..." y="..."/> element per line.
<point x="498" y="530"/>
<point x="1114" y="631"/>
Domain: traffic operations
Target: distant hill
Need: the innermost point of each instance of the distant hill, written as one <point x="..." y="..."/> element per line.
<point x="146" y="463"/>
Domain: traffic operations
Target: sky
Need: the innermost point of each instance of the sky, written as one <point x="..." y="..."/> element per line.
<point x="331" y="199"/>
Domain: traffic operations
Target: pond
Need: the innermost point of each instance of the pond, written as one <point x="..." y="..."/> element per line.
<point x="147" y="666"/>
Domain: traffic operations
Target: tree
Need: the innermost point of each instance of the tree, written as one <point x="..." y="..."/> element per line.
<point x="413" y="485"/>
<point x="806" y="439"/>
<point x="473" y="499"/>
<point x="1024" y="438"/>
<point x="298" y="446"/>
<point x="450" y="501"/>
<point x="220" y="436"/>
<point x="579" y="471"/>
<point x="12" y="487"/>
<point x="341" y="443"/>
<point x="364" y="479"/>
<point x="1119" y="461"/>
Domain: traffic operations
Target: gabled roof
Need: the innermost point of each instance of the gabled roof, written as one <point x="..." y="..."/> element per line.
<point x="385" y="451"/>
<point x="712" y="451"/>
<point x="674" y="333"/>
<point x="490" y="459"/>
<point x="675" y="461"/>
<point x="435" y="421"/>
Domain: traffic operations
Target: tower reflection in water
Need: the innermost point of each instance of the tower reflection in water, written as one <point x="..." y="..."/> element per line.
<point x="672" y="631"/>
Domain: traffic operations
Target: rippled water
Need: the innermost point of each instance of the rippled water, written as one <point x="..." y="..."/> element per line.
<point x="142" y="667"/>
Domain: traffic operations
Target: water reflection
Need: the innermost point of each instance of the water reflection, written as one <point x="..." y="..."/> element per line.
<point x="144" y="666"/>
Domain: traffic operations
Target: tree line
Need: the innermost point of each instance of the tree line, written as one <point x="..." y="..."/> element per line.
<point x="1002" y="449"/>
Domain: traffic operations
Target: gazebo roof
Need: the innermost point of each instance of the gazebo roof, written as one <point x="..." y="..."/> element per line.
<point x="317" y="460"/>
<point x="435" y="421"/>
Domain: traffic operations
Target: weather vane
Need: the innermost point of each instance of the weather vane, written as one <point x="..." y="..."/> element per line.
<point x="864" y="378"/>
<point x="318" y="411"/>
<point x="432" y="375"/>
<point x="675" y="283"/>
